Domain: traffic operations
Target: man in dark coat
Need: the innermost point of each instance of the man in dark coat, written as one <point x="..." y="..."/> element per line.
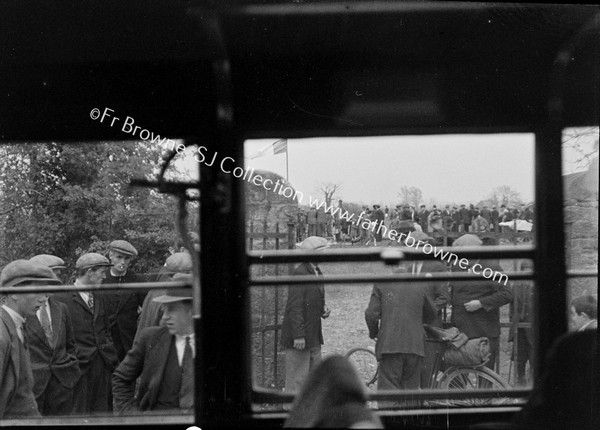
<point x="122" y="307"/>
<point x="96" y="352"/>
<point x="16" y="379"/>
<point x="378" y="217"/>
<point x="301" y="333"/>
<point x="52" y="350"/>
<point x="163" y="360"/>
<point x="465" y="218"/>
<point x="395" y="317"/>
<point x="476" y="304"/>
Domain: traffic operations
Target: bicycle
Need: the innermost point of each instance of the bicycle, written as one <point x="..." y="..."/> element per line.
<point x="476" y="377"/>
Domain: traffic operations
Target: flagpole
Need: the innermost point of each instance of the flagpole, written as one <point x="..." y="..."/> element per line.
<point x="287" y="173"/>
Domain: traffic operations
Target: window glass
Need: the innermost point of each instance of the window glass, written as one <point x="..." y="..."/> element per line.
<point x="580" y="176"/>
<point x="368" y="194"/>
<point x="70" y="217"/>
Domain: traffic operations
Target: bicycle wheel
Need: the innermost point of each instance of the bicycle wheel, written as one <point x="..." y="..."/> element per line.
<point x="469" y="378"/>
<point x="365" y="362"/>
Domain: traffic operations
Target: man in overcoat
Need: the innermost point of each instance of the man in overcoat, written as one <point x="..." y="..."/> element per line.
<point x="301" y="333"/>
<point x="16" y="378"/>
<point x="96" y="352"/>
<point x="52" y="350"/>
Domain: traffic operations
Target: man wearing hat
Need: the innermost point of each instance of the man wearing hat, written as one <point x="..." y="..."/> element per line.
<point x="301" y="333"/>
<point x="394" y="317"/>
<point x="123" y="307"/>
<point x="16" y="379"/>
<point x="56" y="264"/>
<point x="476" y="304"/>
<point x="163" y="360"/>
<point x="95" y="350"/>
<point x="52" y="349"/>
<point x="152" y="312"/>
<point x="377" y="217"/>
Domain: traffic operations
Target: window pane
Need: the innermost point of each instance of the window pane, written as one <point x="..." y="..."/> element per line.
<point x="69" y="213"/>
<point x="361" y="194"/>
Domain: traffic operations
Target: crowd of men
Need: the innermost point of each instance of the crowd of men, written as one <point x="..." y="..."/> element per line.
<point x="89" y="351"/>
<point x="396" y="314"/>
<point x="460" y="219"/>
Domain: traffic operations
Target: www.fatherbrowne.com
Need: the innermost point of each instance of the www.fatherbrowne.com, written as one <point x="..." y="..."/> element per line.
<point x="407" y="239"/>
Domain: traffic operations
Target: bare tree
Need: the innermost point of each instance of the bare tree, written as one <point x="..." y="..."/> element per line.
<point x="328" y="189"/>
<point x="584" y="142"/>
<point x="411" y="195"/>
<point x="505" y="195"/>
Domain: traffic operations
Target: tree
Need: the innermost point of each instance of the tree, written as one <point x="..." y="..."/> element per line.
<point x="67" y="199"/>
<point x="505" y="195"/>
<point x="328" y="191"/>
<point x="584" y="143"/>
<point x="411" y="196"/>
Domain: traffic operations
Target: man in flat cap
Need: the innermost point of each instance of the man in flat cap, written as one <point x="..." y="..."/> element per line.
<point x="95" y="350"/>
<point x="152" y="312"/>
<point x="123" y="307"/>
<point x="16" y="379"/>
<point x="163" y="359"/>
<point x="301" y="333"/>
<point x="52" y="350"/>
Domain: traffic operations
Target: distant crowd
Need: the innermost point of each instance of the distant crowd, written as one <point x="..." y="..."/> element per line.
<point x="461" y="219"/>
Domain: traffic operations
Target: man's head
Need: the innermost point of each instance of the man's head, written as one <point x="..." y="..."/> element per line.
<point x="53" y="262"/>
<point x="177" y="307"/>
<point x="21" y="273"/>
<point x="91" y="268"/>
<point x="121" y="253"/>
<point x="583" y="309"/>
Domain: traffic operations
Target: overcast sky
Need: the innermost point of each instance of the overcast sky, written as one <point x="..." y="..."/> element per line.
<point x="447" y="168"/>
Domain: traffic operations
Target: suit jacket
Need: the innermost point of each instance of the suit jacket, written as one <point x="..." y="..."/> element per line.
<point x="60" y="360"/>
<point x="303" y="311"/>
<point x="146" y="360"/>
<point x="91" y="330"/>
<point x="484" y="322"/>
<point x="122" y="312"/>
<point x="437" y="290"/>
<point x="395" y="316"/>
<point x="16" y="393"/>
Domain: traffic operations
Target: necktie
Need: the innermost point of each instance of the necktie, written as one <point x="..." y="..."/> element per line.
<point x="186" y="392"/>
<point x="24" y="336"/>
<point x="90" y="301"/>
<point x="46" y="326"/>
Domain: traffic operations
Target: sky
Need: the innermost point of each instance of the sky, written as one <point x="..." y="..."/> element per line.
<point x="372" y="170"/>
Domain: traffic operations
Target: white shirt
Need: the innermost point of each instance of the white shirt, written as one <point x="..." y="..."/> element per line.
<point x="40" y="310"/>
<point x="83" y="294"/>
<point x="18" y="320"/>
<point x="180" y="346"/>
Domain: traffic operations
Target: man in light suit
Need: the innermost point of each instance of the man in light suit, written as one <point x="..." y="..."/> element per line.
<point x="16" y="379"/>
<point x="163" y="359"/>
<point x="96" y="352"/>
<point x="301" y="334"/>
<point x="52" y="350"/>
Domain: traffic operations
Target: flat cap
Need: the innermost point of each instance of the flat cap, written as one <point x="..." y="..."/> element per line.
<point x="419" y="235"/>
<point x="123" y="247"/>
<point x="179" y="262"/>
<point x="19" y="271"/>
<point x="176" y="294"/>
<point x="468" y="240"/>
<point x="314" y="243"/>
<point x="51" y="261"/>
<point x="91" y="259"/>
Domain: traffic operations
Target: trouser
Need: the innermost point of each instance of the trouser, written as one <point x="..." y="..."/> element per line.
<point x="298" y="363"/>
<point x="93" y="391"/>
<point x="524" y="354"/>
<point x="56" y="399"/>
<point x="431" y="349"/>
<point x="399" y="372"/>
<point x="494" y="347"/>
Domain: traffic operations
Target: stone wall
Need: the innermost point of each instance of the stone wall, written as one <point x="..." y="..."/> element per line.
<point x="581" y="227"/>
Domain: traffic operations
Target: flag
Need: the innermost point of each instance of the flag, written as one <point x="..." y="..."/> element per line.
<point x="278" y="147"/>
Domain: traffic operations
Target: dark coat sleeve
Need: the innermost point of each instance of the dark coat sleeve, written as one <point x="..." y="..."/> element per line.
<point x="373" y="313"/>
<point x="123" y="379"/>
<point x="295" y="306"/>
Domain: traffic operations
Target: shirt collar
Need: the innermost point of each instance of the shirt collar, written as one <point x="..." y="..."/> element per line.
<point x="17" y="319"/>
